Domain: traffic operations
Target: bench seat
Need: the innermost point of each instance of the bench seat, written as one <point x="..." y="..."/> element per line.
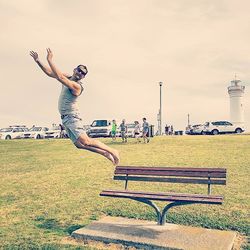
<point x="195" y="198"/>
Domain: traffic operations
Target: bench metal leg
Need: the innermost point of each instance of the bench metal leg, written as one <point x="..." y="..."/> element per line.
<point x="161" y="216"/>
<point x="152" y="204"/>
<point x="173" y="204"/>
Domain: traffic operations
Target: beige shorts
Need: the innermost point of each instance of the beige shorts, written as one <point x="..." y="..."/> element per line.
<point x="73" y="125"/>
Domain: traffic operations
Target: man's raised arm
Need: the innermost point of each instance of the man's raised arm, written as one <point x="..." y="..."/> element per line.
<point x="47" y="70"/>
<point x="75" y="87"/>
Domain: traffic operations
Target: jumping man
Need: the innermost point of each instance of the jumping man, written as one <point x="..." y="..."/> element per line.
<point x="68" y="108"/>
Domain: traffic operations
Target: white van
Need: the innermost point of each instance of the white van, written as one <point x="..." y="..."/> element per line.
<point x="100" y="128"/>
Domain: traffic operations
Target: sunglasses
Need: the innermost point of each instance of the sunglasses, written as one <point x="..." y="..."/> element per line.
<point x="80" y="71"/>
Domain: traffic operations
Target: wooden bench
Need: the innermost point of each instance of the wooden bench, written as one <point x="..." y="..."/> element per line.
<point x="208" y="176"/>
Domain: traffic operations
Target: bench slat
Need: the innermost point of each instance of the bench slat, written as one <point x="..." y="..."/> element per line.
<point x="171" y="173"/>
<point x="164" y="193"/>
<point x="172" y="180"/>
<point x="208" y="199"/>
<point x="172" y="168"/>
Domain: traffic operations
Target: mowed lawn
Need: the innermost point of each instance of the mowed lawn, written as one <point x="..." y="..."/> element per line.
<point x="48" y="188"/>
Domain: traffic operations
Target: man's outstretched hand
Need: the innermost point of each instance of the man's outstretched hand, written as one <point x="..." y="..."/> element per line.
<point x="49" y="54"/>
<point x="34" y="55"/>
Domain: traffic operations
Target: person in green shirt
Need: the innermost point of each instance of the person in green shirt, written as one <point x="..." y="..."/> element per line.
<point x="113" y="130"/>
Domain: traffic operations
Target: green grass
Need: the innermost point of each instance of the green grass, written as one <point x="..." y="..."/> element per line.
<point x="48" y="188"/>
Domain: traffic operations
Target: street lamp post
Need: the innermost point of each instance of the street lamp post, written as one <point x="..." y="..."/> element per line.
<point x="160" y="112"/>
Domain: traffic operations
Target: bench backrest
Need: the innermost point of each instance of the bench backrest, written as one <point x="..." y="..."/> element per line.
<point x="209" y="176"/>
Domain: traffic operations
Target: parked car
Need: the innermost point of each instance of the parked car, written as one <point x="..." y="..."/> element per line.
<point x="26" y="134"/>
<point x="197" y="129"/>
<point x="38" y="132"/>
<point x="100" y="128"/>
<point x="12" y="132"/>
<point x="222" y="127"/>
<point x="53" y="132"/>
<point x="131" y="130"/>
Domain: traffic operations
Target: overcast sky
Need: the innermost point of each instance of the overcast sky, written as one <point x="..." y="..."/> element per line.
<point x="194" y="47"/>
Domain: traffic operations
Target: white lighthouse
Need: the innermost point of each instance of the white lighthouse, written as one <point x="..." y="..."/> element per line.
<point x="236" y="93"/>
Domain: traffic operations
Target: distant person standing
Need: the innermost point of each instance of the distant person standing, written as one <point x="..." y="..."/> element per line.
<point x="68" y="108"/>
<point x="171" y="130"/>
<point x="61" y="131"/>
<point x="137" y="131"/>
<point x="124" y="131"/>
<point x="113" y="130"/>
<point x="145" y="130"/>
<point x="166" y="129"/>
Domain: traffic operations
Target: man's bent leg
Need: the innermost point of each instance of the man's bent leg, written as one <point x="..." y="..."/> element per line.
<point x="91" y="143"/>
<point x="95" y="150"/>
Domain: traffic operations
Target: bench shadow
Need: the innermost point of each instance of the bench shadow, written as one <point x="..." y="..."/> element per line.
<point x="136" y="230"/>
<point x="54" y="225"/>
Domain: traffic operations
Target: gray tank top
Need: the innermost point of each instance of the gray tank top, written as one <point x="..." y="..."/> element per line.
<point x="68" y="103"/>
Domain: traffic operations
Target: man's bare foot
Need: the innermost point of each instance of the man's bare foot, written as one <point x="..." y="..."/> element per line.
<point x="109" y="157"/>
<point x="116" y="156"/>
